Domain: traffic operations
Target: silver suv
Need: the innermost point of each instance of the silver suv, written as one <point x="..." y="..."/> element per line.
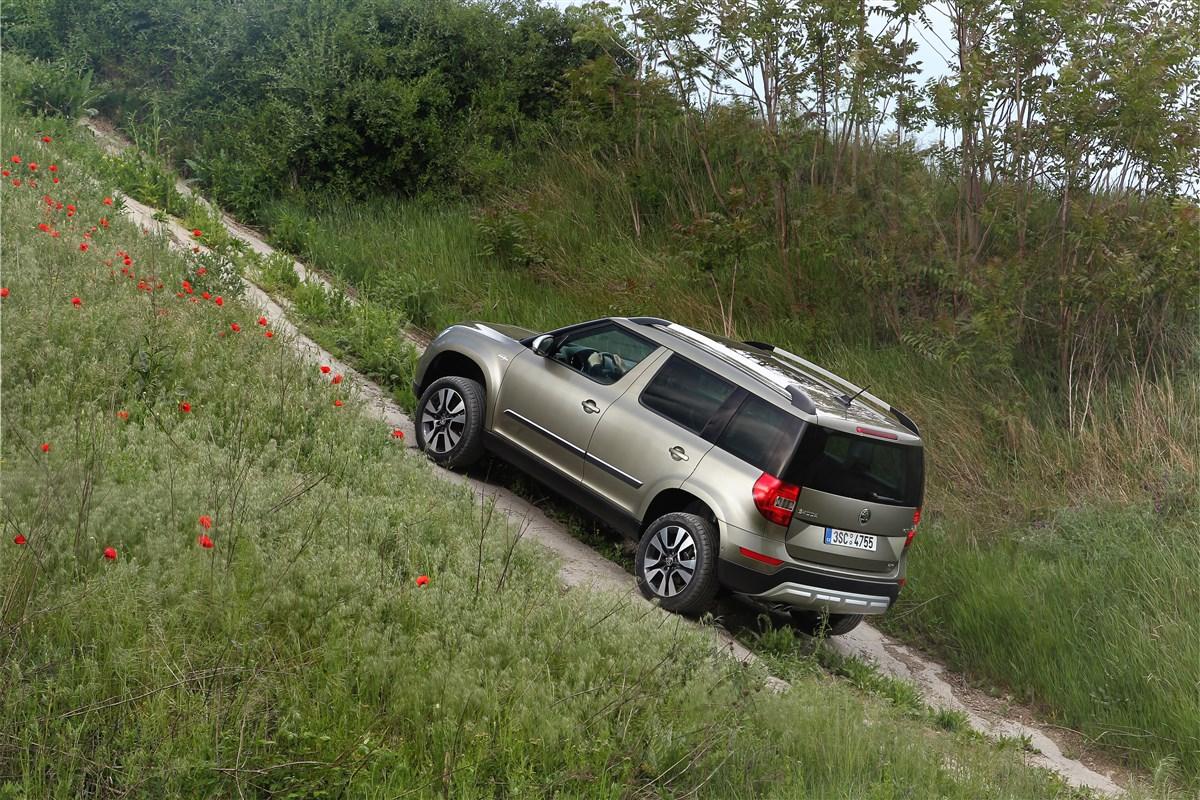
<point x="733" y="464"/>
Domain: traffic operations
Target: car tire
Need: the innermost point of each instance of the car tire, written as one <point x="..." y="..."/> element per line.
<point x="814" y="623"/>
<point x="669" y="545"/>
<point x="449" y="422"/>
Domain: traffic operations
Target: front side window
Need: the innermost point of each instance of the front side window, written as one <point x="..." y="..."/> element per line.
<point x="604" y="354"/>
<point x="686" y="394"/>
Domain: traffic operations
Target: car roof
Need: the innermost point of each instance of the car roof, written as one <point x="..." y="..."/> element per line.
<point x="784" y="373"/>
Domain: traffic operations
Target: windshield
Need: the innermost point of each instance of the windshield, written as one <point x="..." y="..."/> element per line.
<point x="858" y="466"/>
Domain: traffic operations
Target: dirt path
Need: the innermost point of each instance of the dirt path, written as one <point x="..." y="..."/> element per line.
<point x="583" y="566"/>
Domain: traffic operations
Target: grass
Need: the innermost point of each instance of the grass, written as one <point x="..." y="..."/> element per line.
<point x="298" y="657"/>
<point x="993" y="576"/>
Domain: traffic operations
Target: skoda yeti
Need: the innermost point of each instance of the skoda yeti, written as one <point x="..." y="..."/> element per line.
<point x="733" y="464"/>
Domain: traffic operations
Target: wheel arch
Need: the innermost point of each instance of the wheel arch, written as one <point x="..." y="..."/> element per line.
<point x="453" y="362"/>
<point x="677" y="499"/>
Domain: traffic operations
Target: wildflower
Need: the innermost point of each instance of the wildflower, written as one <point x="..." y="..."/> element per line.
<point x="45" y="447"/>
<point x="262" y="321"/>
<point x="6" y="173"/>
<point x="47" y="139"/>
<point x="219" y="301"/>
<point x="54" y="167"/>
<point x="16" y="181"/>
<point x="269" y="335"/>
<point x="108" y="201"/>
<point x="325" y="369"/>
<point x="32" y="166"/>
<point x="123" y="415"/>
<point x="185" y="407"/>
<point x="110" y="553"/>
<point x="398" y="434"/>
<point x="19" y="539"/>
<point x="205" y="521"/>
<point x="15" y="159"/>
<point x="75" y="301"/>
<point x="197" y="233"/>
<point x="201" y="271"/>
<point x="179" y="295"/>
<point x="128" y="261"/>
<point x="143" y="286"/>
<point x="104" y="222"/>
<point x="70" y="208"/>
<point x="55" y="180"/>
<point x="205" y="542"/>
<point x="338" y="403"/>
<point x="337" y="379"/>
<point x="55" y="234"/>
<point x="3" y="292"/>
<point x="422" y="580"/>
<point x="83" y="247"/>
<point x="43" y="227"/>
<point x="233" y="326"/>
<point x="206" y="295"/>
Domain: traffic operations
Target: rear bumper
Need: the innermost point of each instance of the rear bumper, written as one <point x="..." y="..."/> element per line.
<point x="810" y="590"/>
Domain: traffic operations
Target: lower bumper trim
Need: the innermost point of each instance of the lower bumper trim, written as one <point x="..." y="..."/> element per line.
<point x="807" y="589"/>
<point x="795" y="594"/>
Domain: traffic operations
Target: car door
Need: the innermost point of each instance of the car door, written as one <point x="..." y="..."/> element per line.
<point x="549" y="405"/>
<point x="655" y="434"/>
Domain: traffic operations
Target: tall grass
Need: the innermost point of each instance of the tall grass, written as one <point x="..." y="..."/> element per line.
<point x="298" y="657"/>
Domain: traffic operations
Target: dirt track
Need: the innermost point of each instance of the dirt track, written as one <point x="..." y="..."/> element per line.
<point x="583" y="566"/>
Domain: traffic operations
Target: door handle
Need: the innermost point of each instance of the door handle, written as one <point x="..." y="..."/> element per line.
<point x="678" y="453"/>
<point x="590" y="406"/>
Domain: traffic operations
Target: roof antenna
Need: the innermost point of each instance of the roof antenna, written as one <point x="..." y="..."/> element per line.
<point x="846" y="401"/>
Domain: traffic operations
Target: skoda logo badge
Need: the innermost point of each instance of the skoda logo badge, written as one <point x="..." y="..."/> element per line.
<point x="864" y="516"/>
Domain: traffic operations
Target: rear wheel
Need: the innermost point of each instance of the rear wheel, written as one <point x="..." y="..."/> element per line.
<point x="450" y="421"/>
<point x="816" y="623"/>
<point x="676" y="562"/>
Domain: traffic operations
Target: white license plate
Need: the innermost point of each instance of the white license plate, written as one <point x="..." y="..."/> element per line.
<point x="860" y="541"/>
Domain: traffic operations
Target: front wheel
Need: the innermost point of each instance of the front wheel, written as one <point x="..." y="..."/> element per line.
<point x="815" y="623"/>
<point x="676" y="562"/>
<point x="449" y="421"/>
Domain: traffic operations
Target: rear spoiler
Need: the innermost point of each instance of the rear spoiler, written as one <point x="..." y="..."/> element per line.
<point x="850" y="388"/>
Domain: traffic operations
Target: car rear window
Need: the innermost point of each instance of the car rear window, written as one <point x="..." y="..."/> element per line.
<point x="761" y="434"/>
<point x="686" y="393"/>
<point x="858" y="466"/>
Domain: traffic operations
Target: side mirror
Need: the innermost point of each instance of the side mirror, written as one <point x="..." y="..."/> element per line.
<point x="543" y="344"/>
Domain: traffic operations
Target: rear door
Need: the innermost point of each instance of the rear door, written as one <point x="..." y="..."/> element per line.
<point x="550" y="405"/>
<point x="851" y="485"/>
<point x="655" y="435"/>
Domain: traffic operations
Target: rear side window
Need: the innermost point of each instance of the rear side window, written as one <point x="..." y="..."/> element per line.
<point x="761" y="434"/>
<point x="686" y="394"/>
<point x="859" y="467"/>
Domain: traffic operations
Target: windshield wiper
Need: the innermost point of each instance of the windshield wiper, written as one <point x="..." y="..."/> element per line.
<point x="883" y="498"/>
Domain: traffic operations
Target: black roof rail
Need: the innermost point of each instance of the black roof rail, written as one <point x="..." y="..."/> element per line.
<point x="904" y="420"/>
<point x="649" y="320"/>
<point x="801" y="400"/>
<point x="760" y="345"/>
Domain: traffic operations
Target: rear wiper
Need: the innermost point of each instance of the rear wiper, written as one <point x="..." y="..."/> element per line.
<point x="883" y="498"/>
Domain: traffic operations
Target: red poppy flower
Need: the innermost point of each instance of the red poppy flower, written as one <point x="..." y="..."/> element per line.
<point x="143" y="286"/>
<point x="205" y="521"/>
<point x="54" y="167"/>
<point x="179" y="295"/>
<point x="3" y="292"/>
<point x="58" y="206"/>
<point x="32" y="166"/>
<point x="15" y="159"/>
<point x="45" y="447"/>
<point x="75" y="301"/>
<point x="219" y="301"/>
<point x="55" y="234"/>
<point x="110" y="553"/>
<point x="70" y="208"/>
<point x="43" y="227"/>
<point x="197" y="233"/>
<point x="128" y="261"/>
<point x="123" y="415"/>
<point x="422" y="580"/>
<point x="397" y="434"/>
<point x="19" y="539"/>
<point x="185" y="407"/>
<point x="108" y="201"/>
<point x="269" y="335"/>
<point x="104" y="222"/>
<point x="233" y="326"/>
<point x="47" y="139"/>
<point x="337" y="403"/>
<point x="337" y="379"/>
<point x="205" y="542"/>
<point x="83" y="247"/>
<point x="206" y="295"/>
<point x="201" y="271"/>
<point x="5" y="173"/>
<point x="55" y="180"/>
<point x="262" y="320"/>
<point x="16" y="181"/>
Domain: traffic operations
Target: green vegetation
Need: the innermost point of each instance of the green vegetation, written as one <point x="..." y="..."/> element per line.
<point x="1026" y="288"/>
<point x="297" y="657"/>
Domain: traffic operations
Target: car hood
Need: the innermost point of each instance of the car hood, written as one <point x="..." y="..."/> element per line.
<point x="511" y="331"/>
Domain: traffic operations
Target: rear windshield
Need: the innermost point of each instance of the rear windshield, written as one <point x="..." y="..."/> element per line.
<point x="858" y="466"/>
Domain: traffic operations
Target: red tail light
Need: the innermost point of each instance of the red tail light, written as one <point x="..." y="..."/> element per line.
<point x="908" y="540"/>
<point x="775" y="499"/>
<point x="748" y="553"/>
